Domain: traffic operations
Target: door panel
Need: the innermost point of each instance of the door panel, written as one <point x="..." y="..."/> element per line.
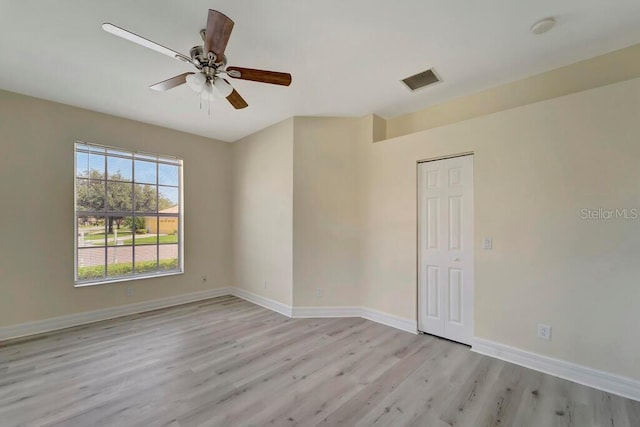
<point x="455" y="295"/>
<point x="433" y="214"/>
<point x="455" y="223"/>
<point x="433" y="288"/>
<point x="445" y="234"/>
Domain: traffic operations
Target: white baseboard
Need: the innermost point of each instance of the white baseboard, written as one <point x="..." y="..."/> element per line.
<point x="387" y="319"/>
<point x="62" y="322"/>
<point x="605" y="381"/>
<point x="407" y="325"/>
<point x="330" y="311"/>
<point x="262" y="301"/>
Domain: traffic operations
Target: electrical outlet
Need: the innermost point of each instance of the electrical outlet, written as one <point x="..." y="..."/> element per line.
<point x="319" y="292"/>
<point x="264" y="285"/>
<point x="544" y="332"/>
<point x="129" y="291"/>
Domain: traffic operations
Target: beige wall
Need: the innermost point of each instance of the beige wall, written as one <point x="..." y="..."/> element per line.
<point x="262" y="187"/>
<point x="295" y="214"/>
<point x="535" y="168"/>
<point x="613" y="67"/>
<point x="325" y="212"/>
<point x="36" y="192"/>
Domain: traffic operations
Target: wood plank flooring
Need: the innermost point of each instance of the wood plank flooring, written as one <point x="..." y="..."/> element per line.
<point x="227" y="362"/>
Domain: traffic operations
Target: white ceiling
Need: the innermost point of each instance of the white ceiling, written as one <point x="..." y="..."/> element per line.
<point x="346" y="57"/>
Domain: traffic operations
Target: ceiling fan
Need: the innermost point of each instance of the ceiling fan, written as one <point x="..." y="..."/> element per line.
<point x="209" y="60"/>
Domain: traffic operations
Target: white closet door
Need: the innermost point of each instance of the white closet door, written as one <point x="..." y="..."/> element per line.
<point x="445" y="258"/>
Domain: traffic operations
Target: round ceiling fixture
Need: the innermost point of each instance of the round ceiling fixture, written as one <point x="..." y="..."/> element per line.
<point x="543" y="25"/>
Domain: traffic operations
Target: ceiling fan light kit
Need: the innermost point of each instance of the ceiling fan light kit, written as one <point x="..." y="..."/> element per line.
<point x="209" y="60"/>
<point x="196" y="82"/>
<point x="223" y="87"/>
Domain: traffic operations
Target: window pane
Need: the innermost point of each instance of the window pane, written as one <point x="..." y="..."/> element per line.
<point x="119" y="261"/>
<point x="140" y="229"/>
<point x="119" y="231"/>
<point x="150" y="237"/>
<point x="168" y="229"/>
<point x="91" y="263"/>
<point x="89" y="195"/>
<point x="82" y="165"/>
<point x="168" y="199"/>
<point x="168" y="257"/>
<point x="90" y="231"/>
<point x="96" y="166"/>
<point x="168" y="175"/>
<point x="119" y="169"/>
<point x="151" y="223"/>
<point x="119" y="196"/>
<point x="146" y="259"/>
<point x="146" y="198"/>
<point x="145" y="172"/>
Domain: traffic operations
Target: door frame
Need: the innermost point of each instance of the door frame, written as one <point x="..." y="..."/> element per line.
<point x="417" y="198"/>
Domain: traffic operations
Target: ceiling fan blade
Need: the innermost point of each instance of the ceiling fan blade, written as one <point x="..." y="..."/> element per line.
<point x="237" y="101"/>
<point x="219" y="27"/>
<point x="273" y="77"/>
<point x="128" y="35"/>
<point x="170" y="83"/>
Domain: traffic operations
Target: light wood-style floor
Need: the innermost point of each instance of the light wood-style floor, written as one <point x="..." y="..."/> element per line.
<point x="227" y="362"/>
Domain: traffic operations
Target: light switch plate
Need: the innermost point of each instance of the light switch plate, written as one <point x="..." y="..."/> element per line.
<point x="487" y="243"/>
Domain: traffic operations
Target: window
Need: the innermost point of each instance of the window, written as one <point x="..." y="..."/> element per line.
<point x="128" y="211"/>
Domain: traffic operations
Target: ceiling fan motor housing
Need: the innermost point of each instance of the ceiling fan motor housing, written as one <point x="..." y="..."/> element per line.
<point x="198" y="57"/>
<point x="196" y="54"/>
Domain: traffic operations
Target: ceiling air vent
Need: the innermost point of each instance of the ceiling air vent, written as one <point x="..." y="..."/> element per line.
<point x="420" y="80"/>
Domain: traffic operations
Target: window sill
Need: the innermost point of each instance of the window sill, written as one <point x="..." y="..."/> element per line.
<point x="127" y="279"/>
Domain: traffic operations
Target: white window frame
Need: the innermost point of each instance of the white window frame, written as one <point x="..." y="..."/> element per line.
<point x="135" y="155"/>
